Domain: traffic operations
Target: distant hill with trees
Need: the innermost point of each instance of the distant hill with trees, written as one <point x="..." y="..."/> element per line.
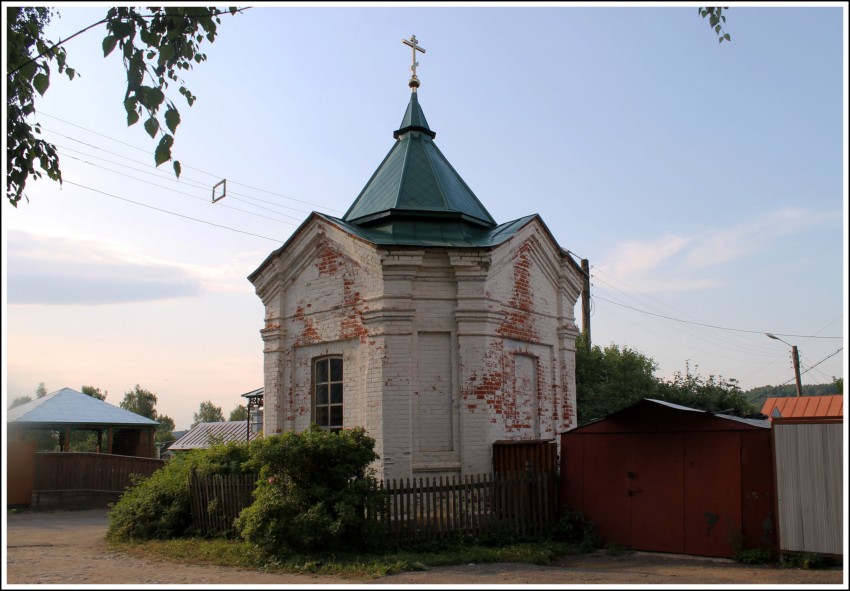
<point x="614" y="377"/>
<point x="757" y="396"/>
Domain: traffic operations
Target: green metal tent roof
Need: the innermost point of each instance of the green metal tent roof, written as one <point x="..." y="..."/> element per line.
<point x="416" y="183"/>
<point x="416" y="198"/>
<point x="453" y="232"/>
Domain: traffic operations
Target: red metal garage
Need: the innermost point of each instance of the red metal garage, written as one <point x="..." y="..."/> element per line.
<point x="662" y="477"/>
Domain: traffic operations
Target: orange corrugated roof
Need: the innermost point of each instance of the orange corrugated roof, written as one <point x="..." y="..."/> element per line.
<point x="805" y="406"/>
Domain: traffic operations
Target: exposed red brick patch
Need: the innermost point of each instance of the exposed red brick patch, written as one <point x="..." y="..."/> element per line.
<point x="308" y="334"/>
<point x="327" y="259"/>
<point x="352" y="323"/>
<point x="331" y="262"/>
<point x="519" y="323"/>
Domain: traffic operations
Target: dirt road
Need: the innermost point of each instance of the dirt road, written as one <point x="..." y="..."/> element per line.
<point x="68" y="548"/>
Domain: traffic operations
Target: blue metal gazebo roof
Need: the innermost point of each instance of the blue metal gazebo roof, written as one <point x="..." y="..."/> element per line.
<point x="69" y="407"/>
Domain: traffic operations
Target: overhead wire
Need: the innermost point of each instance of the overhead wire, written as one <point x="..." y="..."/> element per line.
<point x="804" y="372"/>
<point x="727" y="342"/>
<point x="169" y="212"/>
<point x="217" y="176"/>
<point x="181" y="192"/>
<point x="736" y="342"/>
<point x="167" y="176"/>
<point x="685" y="345"/>
<point x="716" y="326"/>
<point x="744" y="347"/>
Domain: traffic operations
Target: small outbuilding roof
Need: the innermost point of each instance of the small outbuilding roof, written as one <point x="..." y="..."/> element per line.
<point x="804" y="407"/>
<point x="648" y="414"/>
<point x="69" y="407"/>
<point x="201" y="435"/>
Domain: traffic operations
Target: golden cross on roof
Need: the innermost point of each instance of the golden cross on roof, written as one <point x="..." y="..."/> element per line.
<point x="413" y="44"/>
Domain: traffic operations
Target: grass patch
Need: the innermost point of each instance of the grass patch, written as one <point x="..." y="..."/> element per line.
<point x="236" y="553"/>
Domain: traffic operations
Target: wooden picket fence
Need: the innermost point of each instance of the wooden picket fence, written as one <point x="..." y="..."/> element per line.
<point x="439" y="508"/>
<point x="412" y="510"/>
<point x="218" y="499"/>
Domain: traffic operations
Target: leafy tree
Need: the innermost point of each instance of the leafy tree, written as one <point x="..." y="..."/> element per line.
<point x="93" y="392"/>
<point x="41" y="391"/>
<point x="613" y="378"/>
<point x="140" y="401"/>
<point x="714" y="394"/>
<point x="164" y="432"/>
<point x="20" y="400"/>
<point x="716" y="20"/>
<point x="208" y="413"/>
<point x="25" y="35"/>
<point x="155" y="44"/>
<point x="240" y="413"/>
<point x="610" y="379"/>
<point x="84" y="441"/>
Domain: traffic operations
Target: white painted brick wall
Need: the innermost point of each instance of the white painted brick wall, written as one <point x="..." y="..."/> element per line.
<point x="403" y="318"/>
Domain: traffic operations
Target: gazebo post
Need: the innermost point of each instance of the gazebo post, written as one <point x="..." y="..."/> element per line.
<point x="109" y="440"/>
<point x="67" y="444"/>
<point x="100" y="441"/>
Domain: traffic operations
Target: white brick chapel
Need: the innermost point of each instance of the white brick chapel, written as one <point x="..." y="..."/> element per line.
<point x="419" y="318"/>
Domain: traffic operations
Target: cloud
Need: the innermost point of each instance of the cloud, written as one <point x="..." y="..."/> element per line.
<point x="754" y="236"/>
<point x="678" y="262"/>
<point x="54" y="270"/>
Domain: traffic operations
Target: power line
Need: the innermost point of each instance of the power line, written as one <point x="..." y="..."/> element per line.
<point x="740" y="343"/>
<point x="170" y="212"/>
<point x="715" y="326"/>
<point x="180" y="192"/>
<point x="805" y="372"/>
<point x="193" y="168"/>
<point x="740" y="340"/>
<point x="166" y="176"/>
<point x="824" y="359"/>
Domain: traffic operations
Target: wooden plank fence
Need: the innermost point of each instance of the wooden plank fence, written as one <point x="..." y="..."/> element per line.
<point x="413" y="510"/>
<point x="83" y="478"/>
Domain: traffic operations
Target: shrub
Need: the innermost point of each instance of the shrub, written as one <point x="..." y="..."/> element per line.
<point x="754" y="555"/>
<point x="158" y="506"/>
<point x="314" y="491"/>
<point x="806" y="560"/>
<point x="575" y="529"/>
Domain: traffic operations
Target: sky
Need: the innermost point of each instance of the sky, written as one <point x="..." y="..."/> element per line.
<point x="705" y="183"/>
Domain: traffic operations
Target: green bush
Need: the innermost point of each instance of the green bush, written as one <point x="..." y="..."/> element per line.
<point x="158" y="506"/>
<point x="575" y="529"/>
<point x="754" y="555"/>
<point x="806" y="560"/>
<point x="314" y="491"/>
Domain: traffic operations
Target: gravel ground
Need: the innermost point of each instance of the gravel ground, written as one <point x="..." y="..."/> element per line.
<point x="68" y="548"/>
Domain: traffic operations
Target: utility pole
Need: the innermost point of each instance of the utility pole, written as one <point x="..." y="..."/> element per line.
<point x="585" y="301"/>
<point x="796" y="359"/>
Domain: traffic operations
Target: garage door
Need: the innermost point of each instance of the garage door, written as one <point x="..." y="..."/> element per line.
<point x="633" y="490"/>
<point x="712" y="492"/>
